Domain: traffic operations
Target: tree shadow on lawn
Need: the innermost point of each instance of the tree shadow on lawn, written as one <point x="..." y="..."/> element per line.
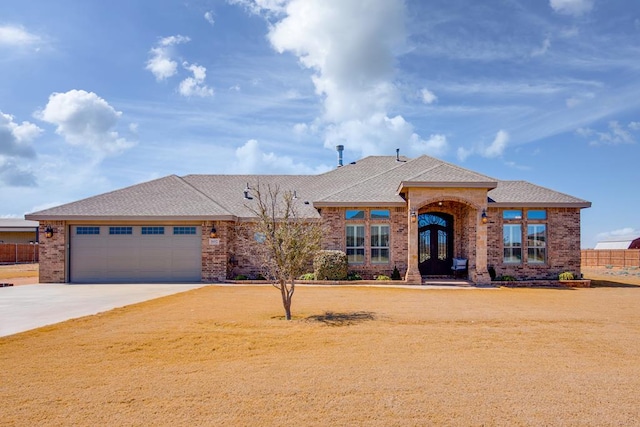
<point x="330" y="318"/>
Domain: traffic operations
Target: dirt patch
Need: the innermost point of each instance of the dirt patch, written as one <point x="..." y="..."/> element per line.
<point x="217" y="356"/>
<point x="612" y="277"/>
<point x="26" y="272"/>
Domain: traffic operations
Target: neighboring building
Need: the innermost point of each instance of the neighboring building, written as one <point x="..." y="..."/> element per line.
<point x="17" y="230"/>
<point x="383" y="211"/>
<point x="629" y="243"/>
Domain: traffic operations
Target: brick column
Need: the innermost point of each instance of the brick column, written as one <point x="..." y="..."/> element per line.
<point x="413" y="273"/>
<point x="480" y="275"/>
<point x="53" y="254"/>
<point x="214" y="253"/>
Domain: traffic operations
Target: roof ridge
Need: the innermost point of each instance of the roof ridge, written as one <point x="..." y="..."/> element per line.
<point x="398" y="164"/>
<point x="201" y="193"/>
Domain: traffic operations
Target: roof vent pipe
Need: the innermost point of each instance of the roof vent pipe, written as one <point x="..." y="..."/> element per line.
<point x="397" y="154"/>
<point x="339" y="149"/>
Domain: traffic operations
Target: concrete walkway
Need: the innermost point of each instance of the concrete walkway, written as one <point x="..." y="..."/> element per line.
<point x="31" y="306"/>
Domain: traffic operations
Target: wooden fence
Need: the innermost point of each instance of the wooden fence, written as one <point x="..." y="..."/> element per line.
<point x="611" y="257"/>
<point x="18" y="253"/>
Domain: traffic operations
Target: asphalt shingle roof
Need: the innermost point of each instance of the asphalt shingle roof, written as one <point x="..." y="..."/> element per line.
<point x="371" y="181"/>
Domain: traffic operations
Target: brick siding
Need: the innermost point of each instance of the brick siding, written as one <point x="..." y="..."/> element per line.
<point x="53" y="253"/>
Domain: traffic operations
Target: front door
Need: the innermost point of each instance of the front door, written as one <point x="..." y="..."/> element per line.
<point x="435" y="243"/>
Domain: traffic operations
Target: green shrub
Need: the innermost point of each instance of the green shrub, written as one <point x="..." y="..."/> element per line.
<point x="330" y="265"/>
<point x="308" y="276"/>
<point x="396" y="274"/>
<point x="260" y="277"/>
<point x="383" y="277"/>
<point x="506" y="278"/>
<point x="354" y="276"/>
<point x="240" y="277"/>
<point x="567" y="275"/>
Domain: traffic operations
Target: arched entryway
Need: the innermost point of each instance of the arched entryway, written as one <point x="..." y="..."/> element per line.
<point x="435" y="243"/>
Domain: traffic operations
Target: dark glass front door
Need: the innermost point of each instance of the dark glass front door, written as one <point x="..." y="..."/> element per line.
<point x="435" y="243"/>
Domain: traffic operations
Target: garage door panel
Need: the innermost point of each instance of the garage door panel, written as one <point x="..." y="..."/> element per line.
<point x="135" y="257"/>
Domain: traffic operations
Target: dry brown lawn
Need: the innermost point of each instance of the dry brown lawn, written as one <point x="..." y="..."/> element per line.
<point x="14" y="271"/>
<point x="381" y="357"/>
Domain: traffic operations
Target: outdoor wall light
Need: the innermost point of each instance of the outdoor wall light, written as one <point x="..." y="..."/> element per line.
<point x="484" y="216"/>
<point x="48" y="232"/>
<point x="214" y="233"/>
<point x="414" y="217"/>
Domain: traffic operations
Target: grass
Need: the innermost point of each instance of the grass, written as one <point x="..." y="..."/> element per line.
<point x="12" y="271"/>
<point x="351" y="356"/>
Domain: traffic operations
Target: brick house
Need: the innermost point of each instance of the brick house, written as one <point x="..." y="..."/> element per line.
<point x="383" y="211"/>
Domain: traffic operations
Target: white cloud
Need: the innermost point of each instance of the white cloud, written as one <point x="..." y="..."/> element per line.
<point x="250" y="159"/>
<point x="85" y="120"/>
<point x="427" y="96"/>
<point x="11" y="35"/>
<point x="436" y="145"/>
<point x="262" y="6"/>
<point x="495" y="149"/>
<point x="209" y="17"/>
<point x="619" y="234"/>
<point x="615" y="135"/>
<point x="350" y="46"/>
<point x="193" y="86"/>
<point x="573" y="102"/>
<point x="571" y="7"/>
<point x="15" y="139"/>
<point x="14" y="175"/>
<point x="161" y="63"/>
<point x="498" y="145"/>
<point x="546" y="44"/>
<point x="634" y="125"/>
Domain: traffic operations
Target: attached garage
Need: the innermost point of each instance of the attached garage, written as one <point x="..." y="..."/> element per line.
<point x="134" y="253"/>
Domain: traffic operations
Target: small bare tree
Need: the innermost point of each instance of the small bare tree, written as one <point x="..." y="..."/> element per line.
<point x="287" y="242"/>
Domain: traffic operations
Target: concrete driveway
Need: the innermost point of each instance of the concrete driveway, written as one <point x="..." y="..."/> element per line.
<point x="31" y="306"/>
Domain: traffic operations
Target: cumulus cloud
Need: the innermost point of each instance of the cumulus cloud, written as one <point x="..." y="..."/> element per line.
<point x="571" y="7"/>
<point x="634" y="125"/>
<point x="194" y="86"/>
<point x="251" y="159"/>
<point x="208" y="16"/>
<point x="427" y="96"/>
<point x="161" y="63"/>
<point x="495" y="149"/>
<point x="85" y="120"/>
<point x="615" y="135"/>
<point x="350" y="47"/>
<point x="16" y="36"/>
<point x="15" y="139"/>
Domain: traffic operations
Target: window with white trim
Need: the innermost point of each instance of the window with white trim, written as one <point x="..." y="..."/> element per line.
<point x="536" y="243"/>
<point x="379" y="244"/>
<point x="355" y="243"/>
<point x="512" y="243"/>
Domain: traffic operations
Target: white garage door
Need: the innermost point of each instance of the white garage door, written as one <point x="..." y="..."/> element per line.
<point x="135" y="254"/>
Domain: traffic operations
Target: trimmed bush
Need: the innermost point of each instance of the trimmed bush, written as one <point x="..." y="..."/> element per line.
<point x="383" y="277"/>
<point x="354" y="276"/>
<point x="567" y="275"/>
<point x="396" y="274"/>
<point x="241" y="277"/>
<point x="330" y="265"/>
<point x="308" y="276"/>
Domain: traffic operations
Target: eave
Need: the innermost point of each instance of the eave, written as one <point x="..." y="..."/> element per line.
<point x="489" y="185"/>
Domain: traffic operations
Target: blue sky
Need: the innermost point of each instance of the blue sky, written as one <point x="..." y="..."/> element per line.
<point x="95" y="96"/>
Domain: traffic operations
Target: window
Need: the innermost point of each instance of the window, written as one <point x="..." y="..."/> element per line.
<point x="512" y="234"/>
<point x="537" y="214"/>
<point x="355" y="244"/>
<point x="87" y="230"/>
<point x="380" y="214"/>
<point x="184" y="230"/>
<point x="120" y="230"/>
<point x="152" y="230"/>
<point x="355" y="214"/>
<point x="512" y="214"/>
<point x="536" y="243"/>
<point x="380" y="244"/>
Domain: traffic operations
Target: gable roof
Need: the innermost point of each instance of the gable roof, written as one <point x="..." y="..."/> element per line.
<point x="525" y="194"/>
<point x="372" y="181"/>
